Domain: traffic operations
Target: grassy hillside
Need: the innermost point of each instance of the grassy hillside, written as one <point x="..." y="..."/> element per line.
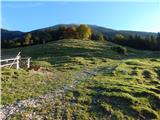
<point x="119" y="86"/>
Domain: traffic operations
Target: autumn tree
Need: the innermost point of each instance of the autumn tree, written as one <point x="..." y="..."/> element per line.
<point x="119" y="37"/>
<point x="84" y="32"/>
<point x="28" y="39"/>
<point x="70" y="32"/>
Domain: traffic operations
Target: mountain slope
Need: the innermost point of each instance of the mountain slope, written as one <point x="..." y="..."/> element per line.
<point x="6" y="34"/>
<point x="106" y="31"/>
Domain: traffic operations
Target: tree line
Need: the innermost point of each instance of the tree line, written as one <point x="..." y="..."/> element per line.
<point x="137" y="42"/>
<point x="83" y="32"/>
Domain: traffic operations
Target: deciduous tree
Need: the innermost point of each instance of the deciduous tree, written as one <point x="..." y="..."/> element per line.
<point x="84" y="31"/>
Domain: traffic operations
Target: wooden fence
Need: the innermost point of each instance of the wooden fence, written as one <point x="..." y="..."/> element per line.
<point x="15" y="61"/>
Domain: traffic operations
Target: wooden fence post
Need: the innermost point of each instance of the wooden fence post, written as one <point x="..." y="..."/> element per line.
<point x="18" y="57"/>
<point x="28" y="62"/>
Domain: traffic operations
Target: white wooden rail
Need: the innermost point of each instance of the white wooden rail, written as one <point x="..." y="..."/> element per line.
<point x="15" y="61"/>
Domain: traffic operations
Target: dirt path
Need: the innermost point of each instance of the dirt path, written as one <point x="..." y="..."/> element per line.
<point x="19" y="107"/>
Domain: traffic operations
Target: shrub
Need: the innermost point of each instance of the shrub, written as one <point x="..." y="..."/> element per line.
<point x="120" y="49"/>
<point x="97" y="37"/>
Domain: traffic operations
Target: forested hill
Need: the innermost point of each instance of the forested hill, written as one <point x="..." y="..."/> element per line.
<point x="7" y="34"/>
<point x="112" y="32"/>
<point x="134" y="39"/>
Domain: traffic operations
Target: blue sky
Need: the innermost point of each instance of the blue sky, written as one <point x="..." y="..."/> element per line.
<point x="27" y="16"/>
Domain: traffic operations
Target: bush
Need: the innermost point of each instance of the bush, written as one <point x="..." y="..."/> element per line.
<point x="97" y="37"/>
<point x="120" y="49"/>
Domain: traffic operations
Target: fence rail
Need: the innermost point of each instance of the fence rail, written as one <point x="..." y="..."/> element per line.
<point x="15" y="61"/>
<point x="7" y="59"/>
<point x="7" y="64"/>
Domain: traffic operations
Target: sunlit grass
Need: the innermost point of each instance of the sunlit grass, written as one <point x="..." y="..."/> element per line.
<point x="121" y="86"/>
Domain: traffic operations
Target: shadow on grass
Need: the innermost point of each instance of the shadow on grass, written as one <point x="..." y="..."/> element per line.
<point x="122" y="104"/>
<point x="86" y="50"/>
<point x="115" y="102"/>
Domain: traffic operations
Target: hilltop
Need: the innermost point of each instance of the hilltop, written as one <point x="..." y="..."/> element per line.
<point x="7" y="34"/>
<point x="83" y="79"/>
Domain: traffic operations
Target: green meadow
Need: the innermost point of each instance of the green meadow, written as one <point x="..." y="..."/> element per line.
<point x="122" y="83"/>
